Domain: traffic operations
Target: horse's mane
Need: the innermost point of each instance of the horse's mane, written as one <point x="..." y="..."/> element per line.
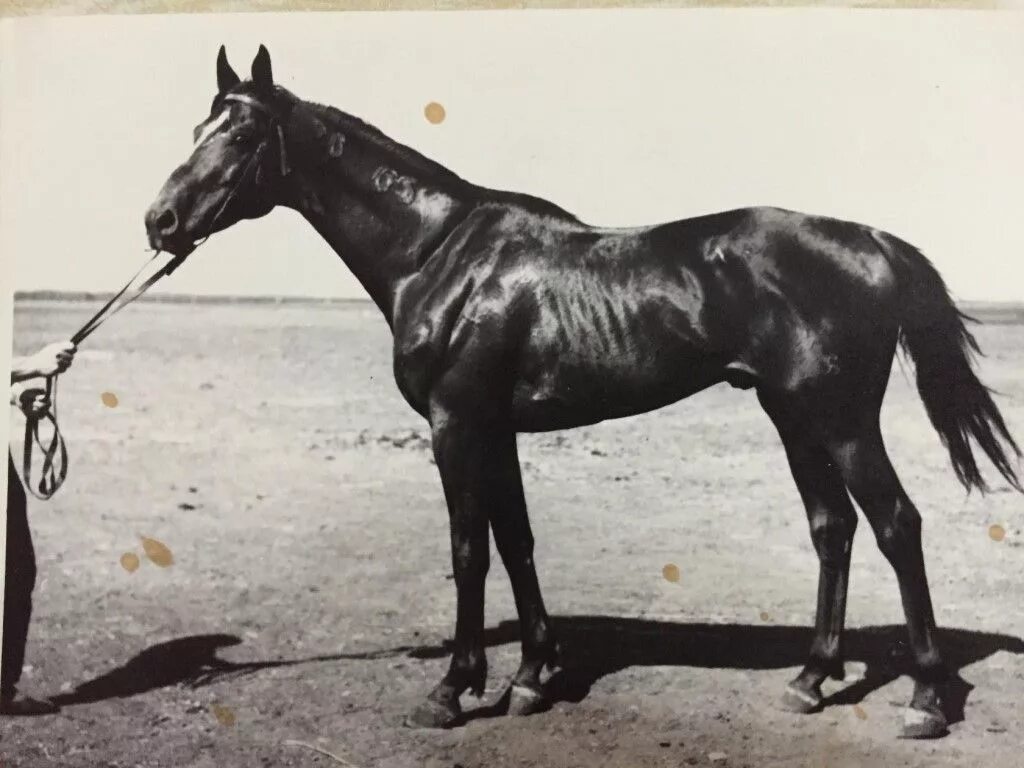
<point x="350" y="124"/>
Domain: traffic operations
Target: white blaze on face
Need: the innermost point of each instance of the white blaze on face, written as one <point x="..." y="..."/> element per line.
<point x="211" y="128"/>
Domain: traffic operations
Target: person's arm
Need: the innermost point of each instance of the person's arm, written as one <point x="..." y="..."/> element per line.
<point x="21" y="369"/>
<point x="50" y="360"/>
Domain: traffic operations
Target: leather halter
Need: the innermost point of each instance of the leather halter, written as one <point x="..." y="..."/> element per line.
<point x="55" y="452"/>
<point x="275" y="125"/>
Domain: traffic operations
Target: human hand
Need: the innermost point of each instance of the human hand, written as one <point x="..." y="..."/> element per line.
<point x="53" y="358"/>
<point x="34" y="402"/>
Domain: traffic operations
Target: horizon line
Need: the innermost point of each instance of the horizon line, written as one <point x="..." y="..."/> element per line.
<point x="187" y="298"/>
<point x="986" y="311"/>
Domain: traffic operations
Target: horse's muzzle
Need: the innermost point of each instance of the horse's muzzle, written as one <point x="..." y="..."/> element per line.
<point x="165" y="232"/>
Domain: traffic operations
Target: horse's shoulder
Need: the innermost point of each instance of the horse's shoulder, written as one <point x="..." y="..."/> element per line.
<point x="429" y="301"/>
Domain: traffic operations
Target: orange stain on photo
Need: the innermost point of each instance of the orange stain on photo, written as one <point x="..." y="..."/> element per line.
<point x="996" y="532"/>
<point x="434" y="113"/>
<point x="109" y="399"/>
<point x="158" y="552"/>
<point x="671" y="573"/>
<point x="130" y="562"/>
<point x="223" y="714"/>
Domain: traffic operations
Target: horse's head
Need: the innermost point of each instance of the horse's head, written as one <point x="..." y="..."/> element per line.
<point x="235" y="169"/>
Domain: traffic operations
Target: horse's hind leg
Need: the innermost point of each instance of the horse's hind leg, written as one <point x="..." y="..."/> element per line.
<point x="833" y="522"/>
<point x="869" y="475"/>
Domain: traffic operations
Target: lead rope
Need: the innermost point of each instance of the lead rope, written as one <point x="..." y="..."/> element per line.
<point x="54" y="471"/>
<point x="55" y="453"/>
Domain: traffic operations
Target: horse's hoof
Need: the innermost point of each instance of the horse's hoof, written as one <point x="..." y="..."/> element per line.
<point x="434" y="714"/>
<point x="525" y="701"/>
<point x="924" y="724"/>
<point x="800" y="701"/>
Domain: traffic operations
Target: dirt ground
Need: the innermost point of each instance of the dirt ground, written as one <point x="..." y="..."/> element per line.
<point x="310" y="596"/>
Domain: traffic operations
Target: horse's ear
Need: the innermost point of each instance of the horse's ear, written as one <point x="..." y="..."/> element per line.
<point x="226" y="77"/>
<point x="262" y="76"/>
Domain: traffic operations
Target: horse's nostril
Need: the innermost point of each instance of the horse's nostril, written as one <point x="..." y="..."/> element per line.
<point x="167" y="222"/>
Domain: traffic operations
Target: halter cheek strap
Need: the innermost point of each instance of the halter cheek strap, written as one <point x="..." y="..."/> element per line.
<point x="282" y="154"/>
<point x="249" y="101"/>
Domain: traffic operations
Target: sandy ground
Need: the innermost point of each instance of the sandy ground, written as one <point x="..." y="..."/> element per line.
<point x="310" y="597"/>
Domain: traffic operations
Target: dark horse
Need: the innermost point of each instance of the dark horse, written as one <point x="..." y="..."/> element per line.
<point x="510" y="315"/>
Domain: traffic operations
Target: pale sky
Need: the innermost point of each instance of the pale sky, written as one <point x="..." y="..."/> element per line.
<point x="909" y="121"/>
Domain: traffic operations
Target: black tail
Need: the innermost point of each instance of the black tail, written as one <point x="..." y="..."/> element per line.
<point x="933" y="333"/>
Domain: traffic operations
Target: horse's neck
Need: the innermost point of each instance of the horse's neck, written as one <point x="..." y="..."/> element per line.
<point x="382" y="207"/>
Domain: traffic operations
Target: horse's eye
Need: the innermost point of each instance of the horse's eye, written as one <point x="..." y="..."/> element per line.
<point x="242" y="137"/>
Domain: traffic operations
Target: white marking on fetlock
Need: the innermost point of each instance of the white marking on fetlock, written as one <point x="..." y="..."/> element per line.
<point x="523" y="691"/>
<point x="803" y="695"/>
<point x="913" y="716"/>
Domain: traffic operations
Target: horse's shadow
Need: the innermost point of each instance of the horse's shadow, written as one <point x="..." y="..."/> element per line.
<point x="592" y="647"/>
<point x="595" y="646"/>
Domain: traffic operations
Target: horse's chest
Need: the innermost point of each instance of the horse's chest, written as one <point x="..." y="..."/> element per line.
<point x="416" y="357"/>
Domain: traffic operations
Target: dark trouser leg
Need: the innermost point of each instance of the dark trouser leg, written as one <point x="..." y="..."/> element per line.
<point x="20" y="579"/>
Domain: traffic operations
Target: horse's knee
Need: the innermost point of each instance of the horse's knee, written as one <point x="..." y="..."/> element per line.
<point x="470" y="561"/>
<point x="832" y="536"/>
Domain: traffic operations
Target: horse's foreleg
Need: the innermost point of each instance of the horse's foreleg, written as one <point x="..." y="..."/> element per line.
<point x="514" y="540"/>
<point x="466" y="462"/>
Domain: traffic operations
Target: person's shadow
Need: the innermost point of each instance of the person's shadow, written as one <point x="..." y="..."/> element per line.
<point x="592" y="647"/>
<point x="190" y="661"/>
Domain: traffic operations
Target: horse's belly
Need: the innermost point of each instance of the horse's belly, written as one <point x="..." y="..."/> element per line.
<point x="599" y="352"/>
<point x="573" y="392"/>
